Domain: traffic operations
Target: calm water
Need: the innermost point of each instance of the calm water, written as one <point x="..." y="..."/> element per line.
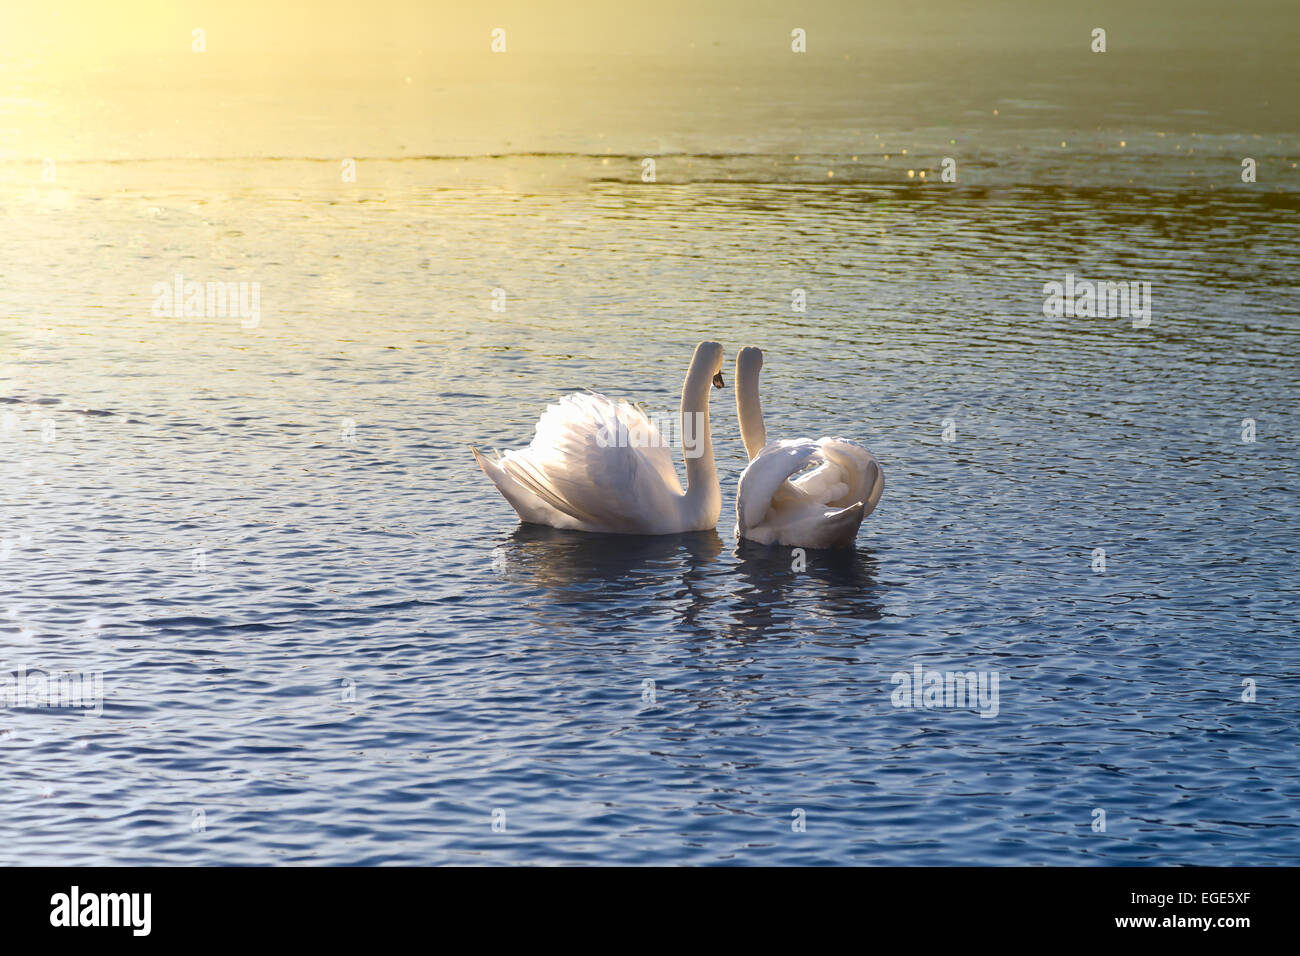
<point x="342" y="647"/>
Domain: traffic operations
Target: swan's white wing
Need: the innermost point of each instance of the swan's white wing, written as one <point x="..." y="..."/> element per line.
<point x="822" y="507"/>
<point x="581" y="421"/>
<point x="766" y="475"/>
<point x="827" y="482"/>
<point x="601" y="462"/>
<point x="859" y="471"/>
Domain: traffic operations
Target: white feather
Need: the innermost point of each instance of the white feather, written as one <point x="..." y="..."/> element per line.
<point x="596" y="464"/>
<point x="799" y="493"/>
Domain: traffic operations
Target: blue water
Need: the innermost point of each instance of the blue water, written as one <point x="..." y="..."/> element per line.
<point x="321" y="645"/>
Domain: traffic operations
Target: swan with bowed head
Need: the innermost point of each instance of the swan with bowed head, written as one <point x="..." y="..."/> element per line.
<point x="798" y="492"/>
<point x="599" y="465"/>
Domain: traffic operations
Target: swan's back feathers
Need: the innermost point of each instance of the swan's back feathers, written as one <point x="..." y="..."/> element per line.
<point x="857" y="474"/>
<point x="820" y="508"/>
<point x="601" y="463"/>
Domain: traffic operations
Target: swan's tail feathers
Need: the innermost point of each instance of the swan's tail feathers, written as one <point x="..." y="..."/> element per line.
<point x="528" y="505"/>
<point x="528" y="476"/>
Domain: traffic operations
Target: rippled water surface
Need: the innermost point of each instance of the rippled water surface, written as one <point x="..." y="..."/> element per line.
<point x="341" y="647"/>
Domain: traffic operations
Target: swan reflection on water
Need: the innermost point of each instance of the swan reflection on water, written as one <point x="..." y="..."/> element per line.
<point x="602" y="564"/>
<point x="757" y="590"/>
<point x="827" y="589"/>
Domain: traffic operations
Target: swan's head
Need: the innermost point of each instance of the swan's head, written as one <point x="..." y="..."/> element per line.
<point x="748" y="361"/>
<point x="708" y="356"/>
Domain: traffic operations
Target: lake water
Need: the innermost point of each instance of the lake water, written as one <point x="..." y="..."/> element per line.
<point x="325" y="638"/>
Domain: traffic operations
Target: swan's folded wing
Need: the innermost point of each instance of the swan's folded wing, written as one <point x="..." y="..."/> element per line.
<point x="859" y="470"/>
<point x="766" y="474"/>
<point x="827" y="482"/>
<point x="603" y="462"/>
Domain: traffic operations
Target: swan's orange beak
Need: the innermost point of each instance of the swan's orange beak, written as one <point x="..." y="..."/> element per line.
<point x="718" y="382"/>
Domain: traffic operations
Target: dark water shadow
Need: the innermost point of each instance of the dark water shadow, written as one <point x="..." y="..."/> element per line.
<point x="604" y="566"/>
<point x="755" y="592"/>
<point x="835" y="588"/>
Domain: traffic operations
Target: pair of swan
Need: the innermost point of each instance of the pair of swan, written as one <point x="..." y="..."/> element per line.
<point x="582" y="472"/>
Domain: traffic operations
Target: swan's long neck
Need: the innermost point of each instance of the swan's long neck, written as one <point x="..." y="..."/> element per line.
<point x="702" y="491"/>
<point x="748" y="408"/>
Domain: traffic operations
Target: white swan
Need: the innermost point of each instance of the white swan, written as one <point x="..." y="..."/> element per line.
<point x="823" y="506"/>
<point x="600" y="465"/>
